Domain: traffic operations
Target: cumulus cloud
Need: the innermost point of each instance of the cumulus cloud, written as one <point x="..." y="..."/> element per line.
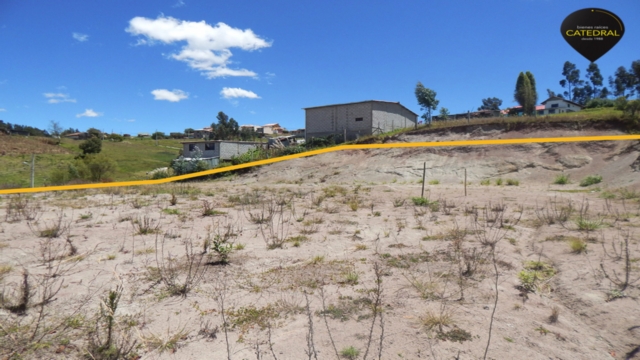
<point x="80" y="37"/>
<point x="173" y="96"/>
<point x="232" y="93"/>
<point x="207" y="47"/>
<point x="89" y="113"/>
<point x="55" y="98"/>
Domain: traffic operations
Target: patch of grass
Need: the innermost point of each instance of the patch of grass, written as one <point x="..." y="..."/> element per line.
<point x="561" y="179"/>
<point x="588" y="225"/>
<point x="578" y="246"/>
<point x="111" y="257"/>
<point x="432" y="320"/>
<point x="239" y="246"/>
<point x="508" y="339"/>
<point x="591" y="180"/>
<point x="535" y="272"/>
<point x="361" y="247"/>
<point x="513" y="182"/>
<point x="171" y="211"/>
<point x="318" y="259"/>
<point x="498" y="181"/>
<point x="434" y="182"/>
<point x="145" y="251"/>
<point x="350" y="353"/>
<point x="485" y="182"/>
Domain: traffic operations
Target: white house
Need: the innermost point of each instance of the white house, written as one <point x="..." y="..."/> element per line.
<point x="557" y="105"/>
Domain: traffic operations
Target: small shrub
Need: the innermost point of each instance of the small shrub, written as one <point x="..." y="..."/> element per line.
<point x="588" y="225"/>
<point x="561" y="179"/>
<point x="578" y="246"/>
<point x="534" y="272"/>
<point x="485" y="182"/>
<point x="591" y="180"/>
<point x="434" y="182"/>
<point x="498" y="181"/>
<point x="513" y="182"/>
<point x="398" y="202"/>
<point x="350" y="353"/>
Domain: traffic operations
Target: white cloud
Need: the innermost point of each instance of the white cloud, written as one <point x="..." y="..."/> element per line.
<point x="89" y="113"/>
<point x="55" y="98"/>
<point x="131" y="120"/>
<point x="1" y="109"/>
<point x="180" y="3"/>
<point x="230" y="93"/>
<point x="80" y="37"/>
<point x="207" y="47"/>
<point x="173" y="96"/>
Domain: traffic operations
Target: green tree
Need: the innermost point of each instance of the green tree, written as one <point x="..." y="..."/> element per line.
<point x="92" y="145"/>
<point x="226" y="128"/>
<point x="427" y="100"/>
<point x="158" y="135"/>
<point x="93" y="132"/>
<point x="571" y="79"/>
<point x="490" y="104"/>
<point x="621" y="82"/>
<point x="632" y="107"/>
<point x="524" y="94"/>
<point x="534" y="91"/>
<point x="595" y="80"/>
<point x="99" y="166"/>
<point x="444" y="113"/>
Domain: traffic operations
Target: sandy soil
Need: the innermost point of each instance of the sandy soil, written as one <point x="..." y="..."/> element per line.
<point x="330" y="252"/>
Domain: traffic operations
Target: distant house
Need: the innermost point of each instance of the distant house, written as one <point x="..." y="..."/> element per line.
<point x="144" y="135"/>
<point x="203" y="133"/>
<point x="297" y="132"/>
<point x="77" y="136"/>
<point x="553" y="105"/>
<point x="126" y="136"/>
<point x="215" y="150"/>
<point x="352" y="120"/>
<point x="469" y="115"/>
<point x="557" y="105"/>
<point x="272" y="129"/>
<point x="249" y="127"/>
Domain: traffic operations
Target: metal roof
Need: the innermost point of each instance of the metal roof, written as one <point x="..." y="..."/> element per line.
<point x="360" y="102"/>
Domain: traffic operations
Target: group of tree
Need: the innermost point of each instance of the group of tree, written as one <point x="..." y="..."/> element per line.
<point x="526" y="93"/>
<point x="625" y="82"/>
<point x="22" y="129"/>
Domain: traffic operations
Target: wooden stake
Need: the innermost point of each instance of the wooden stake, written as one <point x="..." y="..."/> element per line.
<point x="424" y="172"/>
<point x="465" y="181"/>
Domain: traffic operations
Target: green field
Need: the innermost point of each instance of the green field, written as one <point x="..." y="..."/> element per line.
<point x="134" y="158"/>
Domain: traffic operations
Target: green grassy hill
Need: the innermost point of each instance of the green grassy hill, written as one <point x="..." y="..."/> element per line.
<point x="134" y="157"/>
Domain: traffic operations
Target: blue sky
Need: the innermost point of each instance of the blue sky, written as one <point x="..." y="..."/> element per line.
<point x="138" y="66"/>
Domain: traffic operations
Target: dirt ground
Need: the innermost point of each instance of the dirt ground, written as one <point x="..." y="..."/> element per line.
<point x="338" y="256"/>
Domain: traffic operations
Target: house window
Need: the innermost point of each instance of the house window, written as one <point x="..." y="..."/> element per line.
<point x="192" y="147"/>
<point x="209" y="146"/>
<point x="552" y="111"/>
<point x="359" y="119"/>
<point x="554" y="105"/>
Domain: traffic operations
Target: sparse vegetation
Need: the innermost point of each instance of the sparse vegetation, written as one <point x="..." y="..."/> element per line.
<point x="591" y="180"/>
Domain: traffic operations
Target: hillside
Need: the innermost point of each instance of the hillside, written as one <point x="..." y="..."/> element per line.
<point x="134" y="157"/>
<point x="338" y="254"/>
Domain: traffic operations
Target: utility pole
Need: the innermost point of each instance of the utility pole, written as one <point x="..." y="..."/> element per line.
<point x="33" y="168"/>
